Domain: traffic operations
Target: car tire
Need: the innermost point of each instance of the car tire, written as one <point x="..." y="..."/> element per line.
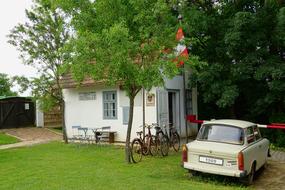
<point x="192" y="173"/>
<point x="248" y="180"/>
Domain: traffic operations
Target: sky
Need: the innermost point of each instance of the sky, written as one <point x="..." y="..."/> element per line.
<point x="12" y="12"/>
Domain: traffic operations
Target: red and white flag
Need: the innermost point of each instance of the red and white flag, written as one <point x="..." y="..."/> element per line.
<point x="181" y="49"/>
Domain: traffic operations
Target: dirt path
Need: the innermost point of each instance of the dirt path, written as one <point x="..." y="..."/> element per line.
<point x="30" y="136"/>
<point x="273" y="176"/>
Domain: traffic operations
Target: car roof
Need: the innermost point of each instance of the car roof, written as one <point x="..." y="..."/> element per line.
<point x="232" y="122"/>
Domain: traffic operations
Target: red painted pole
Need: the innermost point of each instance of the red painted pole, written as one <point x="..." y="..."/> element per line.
<point x="192" y="119"/>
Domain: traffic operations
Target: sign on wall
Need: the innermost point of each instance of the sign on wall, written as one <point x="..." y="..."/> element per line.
<point x="84" y="96"/>
<point x="150" y="99"/>
<point x="27" y="106"/>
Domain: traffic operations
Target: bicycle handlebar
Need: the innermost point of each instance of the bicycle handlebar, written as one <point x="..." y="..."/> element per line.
<point x="146" y="125"/>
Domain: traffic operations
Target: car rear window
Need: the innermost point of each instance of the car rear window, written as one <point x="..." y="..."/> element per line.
<point x="221" y="133"/>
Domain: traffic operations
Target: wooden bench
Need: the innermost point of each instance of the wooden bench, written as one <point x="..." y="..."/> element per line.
<point x="104" y="134"/>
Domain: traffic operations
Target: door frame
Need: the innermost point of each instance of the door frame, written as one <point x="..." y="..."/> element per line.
<point x="177" y="104"/>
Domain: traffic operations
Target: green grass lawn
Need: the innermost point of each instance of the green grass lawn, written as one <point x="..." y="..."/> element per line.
<point x="6" y="139"/>
<point x="57" y="166"/>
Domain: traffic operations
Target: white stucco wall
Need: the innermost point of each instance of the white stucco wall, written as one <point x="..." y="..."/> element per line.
<point x="90" y="113"/>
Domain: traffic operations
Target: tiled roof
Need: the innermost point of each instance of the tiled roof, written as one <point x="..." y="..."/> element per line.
<point x="67" y="81"/>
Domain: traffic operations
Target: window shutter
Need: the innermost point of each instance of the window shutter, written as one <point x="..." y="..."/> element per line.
<point x="126" y="111"/>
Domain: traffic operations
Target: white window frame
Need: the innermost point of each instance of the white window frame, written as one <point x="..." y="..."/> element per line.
<point x="109" y="102"/>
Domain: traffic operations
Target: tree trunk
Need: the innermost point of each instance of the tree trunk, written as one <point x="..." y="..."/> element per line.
<point x="63" y="122"/>
<point x="130" y="123"/>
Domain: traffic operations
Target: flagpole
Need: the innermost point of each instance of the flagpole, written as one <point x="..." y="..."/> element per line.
<point x="184" y="87"/>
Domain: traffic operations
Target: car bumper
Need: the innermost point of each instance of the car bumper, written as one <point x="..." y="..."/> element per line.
<point x="213" y="170"/>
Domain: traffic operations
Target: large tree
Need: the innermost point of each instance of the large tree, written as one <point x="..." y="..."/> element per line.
<point x="6" y="85"/>
<point x="243" y="43"/>
<point x="41" y="42"/>
<point x="123" y="42"/>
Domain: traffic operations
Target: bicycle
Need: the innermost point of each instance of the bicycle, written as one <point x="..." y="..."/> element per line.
<point x="173" y="137"/>
<point x="161" y="140"/>
<point x="144" y="145"/>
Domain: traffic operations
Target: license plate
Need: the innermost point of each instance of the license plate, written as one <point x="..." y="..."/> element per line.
<point x="211" y="160"/>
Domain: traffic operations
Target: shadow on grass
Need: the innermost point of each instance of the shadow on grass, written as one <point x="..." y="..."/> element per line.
<point x="217" y="179"/>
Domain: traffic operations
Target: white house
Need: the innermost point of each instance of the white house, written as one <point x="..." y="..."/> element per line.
<point x="94" y="105"/>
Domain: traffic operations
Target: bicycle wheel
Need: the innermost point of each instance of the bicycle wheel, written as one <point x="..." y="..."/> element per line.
<point x="136" y="150"/>
<point x="164" y="145"/>
<point x="146" y="145"/>
<point x="153" y="149"/>
<point x="175" y="139"/>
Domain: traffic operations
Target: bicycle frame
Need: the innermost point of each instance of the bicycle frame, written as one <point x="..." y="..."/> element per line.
<point x="169" y="132"/>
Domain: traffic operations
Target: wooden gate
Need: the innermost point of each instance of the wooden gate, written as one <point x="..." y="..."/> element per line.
<point x="16" y="112"/>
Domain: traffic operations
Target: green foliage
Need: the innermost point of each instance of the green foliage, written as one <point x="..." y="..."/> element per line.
<point x="242" y="43"/>
<point x="22" y="82"/>
<point x="276" y="136"/>
<point x="126" y="43"/>
<point x="6" y="85"/>
<point x="41" y="43"/>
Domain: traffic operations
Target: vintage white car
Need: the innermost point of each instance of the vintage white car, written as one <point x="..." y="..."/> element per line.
<point x="227" y="147"/>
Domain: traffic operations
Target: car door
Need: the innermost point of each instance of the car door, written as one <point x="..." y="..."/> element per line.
<point x="262" y="147"/>
<point x="252" y="148"/>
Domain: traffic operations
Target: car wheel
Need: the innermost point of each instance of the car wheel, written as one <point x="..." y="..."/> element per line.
<point x="248" y="180"/>
<point x="192" y="173"/>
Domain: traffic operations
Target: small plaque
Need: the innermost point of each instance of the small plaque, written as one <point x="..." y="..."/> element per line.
<point x="27" y="106"/>
<point x="150" y="99"/>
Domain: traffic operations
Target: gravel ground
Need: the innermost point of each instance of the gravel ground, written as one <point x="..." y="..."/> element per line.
<point x="30" y="136"/>
<point x="32" y="133"/>
<point x="272" y="177"/>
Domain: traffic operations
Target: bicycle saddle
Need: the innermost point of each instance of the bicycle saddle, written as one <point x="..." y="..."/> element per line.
<point x="139" y="133"/>
<point x="157" y="128"/>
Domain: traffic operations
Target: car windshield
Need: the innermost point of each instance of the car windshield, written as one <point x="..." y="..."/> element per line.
<point x="221" y="133"/>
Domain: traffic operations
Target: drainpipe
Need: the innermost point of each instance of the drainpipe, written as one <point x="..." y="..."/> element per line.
<point x="143" y="91"/>
<point x="185" y="104"/>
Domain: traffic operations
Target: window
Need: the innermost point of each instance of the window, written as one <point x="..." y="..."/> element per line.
<point x="250" y="135"/>
<point x="83" y="96"/>
<point x="110" y="105"/>
<point x="221" y="133"/>
<point x="256" y="133"/>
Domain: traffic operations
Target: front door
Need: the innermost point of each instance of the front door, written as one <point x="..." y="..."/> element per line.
<point x="169" y="108"/>
<point x="174" y="108"/>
